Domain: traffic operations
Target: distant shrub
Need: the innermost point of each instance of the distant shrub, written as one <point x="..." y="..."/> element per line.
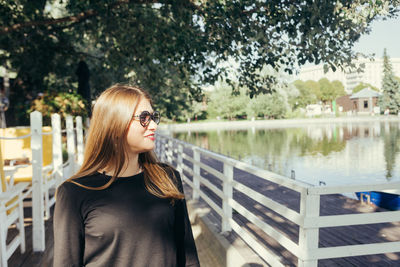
<point x="62" y="103"/>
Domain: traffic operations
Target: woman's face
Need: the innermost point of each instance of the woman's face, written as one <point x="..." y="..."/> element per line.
<point x="141" y="139"/>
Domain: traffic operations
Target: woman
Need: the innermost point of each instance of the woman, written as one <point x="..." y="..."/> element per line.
<point x="122" y="208"/>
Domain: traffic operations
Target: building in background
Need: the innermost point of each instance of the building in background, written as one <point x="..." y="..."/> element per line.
<point x="372" y="74"/>
<point x="365" y="101"/>
<point x="344" y="104"/>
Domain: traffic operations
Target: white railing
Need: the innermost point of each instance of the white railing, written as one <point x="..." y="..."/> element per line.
<point x="46" y="179"/>
<point x="308" y="218"/>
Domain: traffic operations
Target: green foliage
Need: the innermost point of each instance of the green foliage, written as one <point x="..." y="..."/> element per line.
<point x="305" y="97"/>
<point x="314" y="87"/>
<point x="171" y="48"/>
<point x="330" y="90"/>
<point x="61" y="103"/>
<point x="311" y="92"/>
<point x="197" y="110"/>
<point x="271" y="106"/>
<point x="225" y="104"/>
<point x="338" y="88"/>
<point x="362" y="85"/>
<point x="390" y="98"/>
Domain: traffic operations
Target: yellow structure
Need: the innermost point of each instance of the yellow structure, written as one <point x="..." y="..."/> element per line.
<point x="21" y="148"/>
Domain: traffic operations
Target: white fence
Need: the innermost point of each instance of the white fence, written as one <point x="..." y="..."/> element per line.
<point x="308" y="219"/>
<point x="45" y="179"/>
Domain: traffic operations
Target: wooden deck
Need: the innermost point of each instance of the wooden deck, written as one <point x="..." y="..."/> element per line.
<point x="330" y="205"/>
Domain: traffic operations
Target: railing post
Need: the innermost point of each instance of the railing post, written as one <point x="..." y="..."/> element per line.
<point x="70" y="144"/>
<point x="196" y="174"/>
<point x="170" y="151"/>
<point x="157" y="146"/>
<point x="159" y="149"/>
<point x="3" y="236"/>
<point x="179" y="165"/>
<point x="308" y="237"/>
<point x="163" y="150"/>
<point x="79" y="139"/>
<point x="37" y="182"/>
<point x="228" y="194"/>
<point x="57" y="148"/>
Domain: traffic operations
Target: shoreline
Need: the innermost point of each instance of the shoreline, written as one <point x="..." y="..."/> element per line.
<point x="284" y="123"/>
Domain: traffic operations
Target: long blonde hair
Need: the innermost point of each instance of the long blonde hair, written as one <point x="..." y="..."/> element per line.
<point x="106" y="143"/>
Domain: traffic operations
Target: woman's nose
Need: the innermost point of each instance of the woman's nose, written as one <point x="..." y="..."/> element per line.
<point x="152" y="125"/>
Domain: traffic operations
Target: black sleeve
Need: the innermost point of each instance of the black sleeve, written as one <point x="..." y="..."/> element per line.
<point x="186" y="247"/>
<point x="68" y="228"/>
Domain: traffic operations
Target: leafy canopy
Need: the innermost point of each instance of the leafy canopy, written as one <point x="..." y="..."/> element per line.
<point x="172" y="48"/>
<point x="311" y="91"/>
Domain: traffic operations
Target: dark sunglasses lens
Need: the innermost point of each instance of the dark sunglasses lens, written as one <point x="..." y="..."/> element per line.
<point x="156" y="117"/>
<point x="144" y="118"/>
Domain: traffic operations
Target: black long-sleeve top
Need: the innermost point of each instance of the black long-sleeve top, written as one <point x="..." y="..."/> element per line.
<point x="123" y="225"/>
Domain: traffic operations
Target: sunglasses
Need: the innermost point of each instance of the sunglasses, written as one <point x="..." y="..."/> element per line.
<point x="146" y="116"/>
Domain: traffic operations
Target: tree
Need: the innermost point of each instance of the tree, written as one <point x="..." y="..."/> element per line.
<point x="390" y="98"/>
<point x="267" y="105"/>
<point x="172" y="48"/>
<point x="195" y="111"/>
<point x="327" y="90"/>
<point x="338" y="88"/>
<point x="314" y="88"/>
<point x="362" y="85"/>
<point x="305" y="97"/>
<point x="330" y="91"/>
<point x="223" y="103"/>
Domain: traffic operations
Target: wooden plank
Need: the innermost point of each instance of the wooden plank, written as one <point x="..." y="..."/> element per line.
<point x="196" y="171"/>
<point x="12" y="246"/>
<point x="266" y="254"/>
<point x="308" y="237"/>
<point x="354" y="250"/>
<point x="211" y="203"/>
<point x="352" y="219"/>
<point x="187" y="169"/>
<point x="210" y="186"/>
<point x="273" y="177"/>
<point x="326" y="190"/>
<point x="186" y="180"/>
<point x="279" y="237"/>
<point x="37" y="182"/>
<point x="269" y="203"/>
<point x="212" y="171"/>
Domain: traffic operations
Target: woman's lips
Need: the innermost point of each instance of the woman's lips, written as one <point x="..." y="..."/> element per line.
<point x="151" y="137"/>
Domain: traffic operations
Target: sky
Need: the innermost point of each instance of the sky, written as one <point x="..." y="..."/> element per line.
<point x="384" y="34"/>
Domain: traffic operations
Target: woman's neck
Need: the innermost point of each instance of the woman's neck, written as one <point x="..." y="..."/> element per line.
<point x="131" y="167"/>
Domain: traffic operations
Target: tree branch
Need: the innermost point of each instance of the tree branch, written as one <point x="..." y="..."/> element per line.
<point x="74" y="18"/>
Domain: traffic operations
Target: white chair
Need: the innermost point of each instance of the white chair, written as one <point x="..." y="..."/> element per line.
<point x="49" y="188"/>
<point x="11" y="212"/>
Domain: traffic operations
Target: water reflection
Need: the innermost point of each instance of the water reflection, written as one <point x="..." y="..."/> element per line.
<point x="332" y="153"/>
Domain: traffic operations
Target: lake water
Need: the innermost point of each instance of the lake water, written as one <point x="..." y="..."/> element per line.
<point x="335" y="154"/>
